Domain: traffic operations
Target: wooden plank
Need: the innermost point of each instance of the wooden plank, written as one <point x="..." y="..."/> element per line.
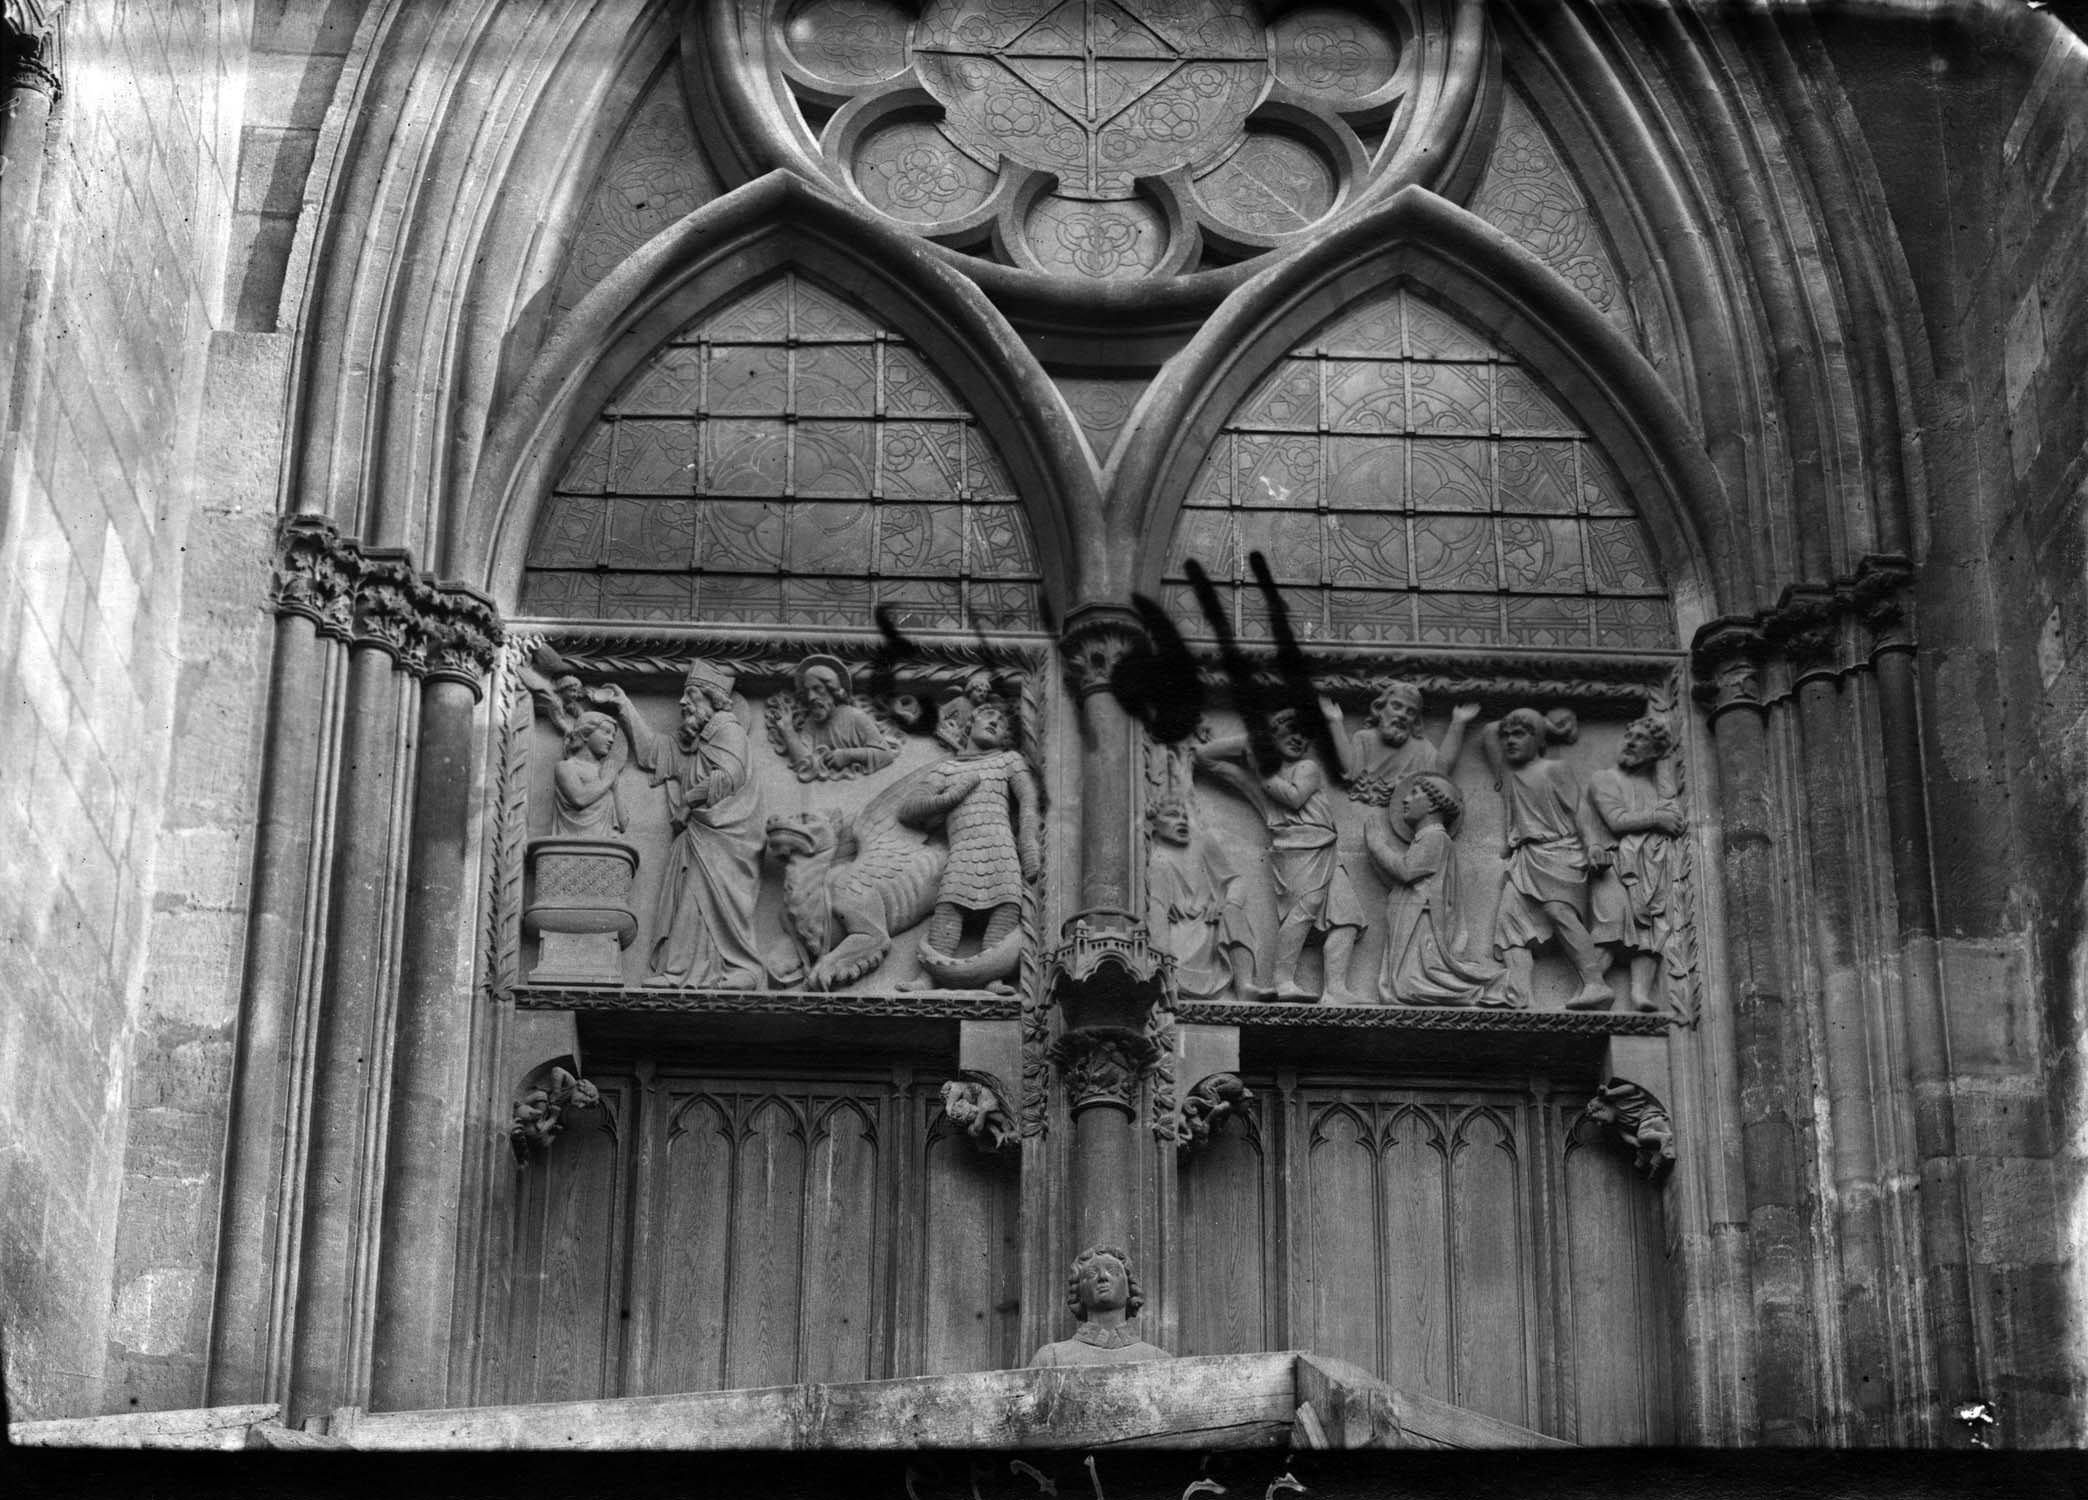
<point x="199" y="1427"/>
<point x="1219" y="1401"/>
<point x="1428" y="1422"/>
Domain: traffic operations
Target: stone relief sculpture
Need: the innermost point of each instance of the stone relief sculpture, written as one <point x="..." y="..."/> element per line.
<point x="849" y="885"/>
<point x="586" y="804"/>
<point x="704" y="923"/>
<point x="1545" y="883"/>
<point x="1390" y="747"/>
<point x="1635" y="856"/>
<point x="984" y="800"/>
<point x="1105" y="1297"/>
<point x="1639" y="1122"/>
<point x="1194" y="907"/>
<point x="822" y="730"/>
<point x="539" y="1116"/>
<point x="977" y="1102"/>
<point x="1313" y="893"/>
<point x="1208" y="1105"/>
<point x="1414" y="846"/>
<point x="581" y="912"/>
<point x="954" y="717"/>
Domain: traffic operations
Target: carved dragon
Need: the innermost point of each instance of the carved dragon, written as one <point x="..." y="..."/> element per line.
<point x="849" y="884"/>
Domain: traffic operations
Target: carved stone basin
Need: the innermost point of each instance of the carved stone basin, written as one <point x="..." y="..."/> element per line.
<point x="582" y="900"/>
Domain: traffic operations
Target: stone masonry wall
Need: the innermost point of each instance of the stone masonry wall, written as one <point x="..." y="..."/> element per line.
<point x="100" y="498"/>
<point x="181" y="1077"/>
<point x="1976" y="123"/>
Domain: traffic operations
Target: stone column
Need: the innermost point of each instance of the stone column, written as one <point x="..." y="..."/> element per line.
<point x="345" y="1166"/>
<point x="313" y="593"/>
<point x="28" y="88"/>
<point x="1728" y="659"/>
<point x="423" y="1181"/>
<point x="1105" y="979"/>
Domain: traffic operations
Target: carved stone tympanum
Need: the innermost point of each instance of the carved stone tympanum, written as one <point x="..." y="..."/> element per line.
<point x="1105" y="1297"/>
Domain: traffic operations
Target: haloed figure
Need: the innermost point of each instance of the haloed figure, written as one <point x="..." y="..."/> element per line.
<point x="1104" y="1296"/>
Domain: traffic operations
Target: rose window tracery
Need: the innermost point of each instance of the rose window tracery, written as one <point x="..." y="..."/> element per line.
<point x="1077" y="142"/>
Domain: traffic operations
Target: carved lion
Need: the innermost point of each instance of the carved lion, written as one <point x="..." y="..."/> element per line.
<point x="849" y="884"/>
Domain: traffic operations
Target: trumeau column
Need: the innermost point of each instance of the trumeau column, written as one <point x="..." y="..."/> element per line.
<point x="298" y="1260"/>
<point x="1106" y="980"/>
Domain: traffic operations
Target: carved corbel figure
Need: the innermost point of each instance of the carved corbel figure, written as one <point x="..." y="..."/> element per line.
<point x="1105" y="1297"/>
<point x="822" y="730"/>
<point x="539" y="1115"/>
<point x="1208" y="1105"/>
<point x="1637" y="1121"/>
<point x="977" y="1102"/>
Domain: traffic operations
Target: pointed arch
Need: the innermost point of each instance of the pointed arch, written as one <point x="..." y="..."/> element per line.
<point x="1423" y="240"/>
<point x="774" y="224"/>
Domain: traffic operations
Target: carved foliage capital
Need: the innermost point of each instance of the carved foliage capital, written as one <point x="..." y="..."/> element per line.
<point x="25" y="48"/>
<point x="1102" y="1065"/>
<point x="390" y="606"/>
<point x="315" y="574"/>
<point x="463" y="637"/>
<point x="1815" y="630"/>
<point x="376" y="597"/>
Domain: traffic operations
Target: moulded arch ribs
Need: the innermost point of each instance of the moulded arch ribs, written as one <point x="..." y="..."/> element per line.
<point x="737" y="111"/>
<point x="1454" y="258"/>
<point x="778" y="224"/>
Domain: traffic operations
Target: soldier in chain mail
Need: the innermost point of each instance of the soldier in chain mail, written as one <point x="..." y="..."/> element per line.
<point x="985" y="799"/>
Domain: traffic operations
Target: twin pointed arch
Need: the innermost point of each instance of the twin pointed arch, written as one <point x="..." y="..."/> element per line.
<point x="773" y="225"/>
<point x="1451" y="257"/>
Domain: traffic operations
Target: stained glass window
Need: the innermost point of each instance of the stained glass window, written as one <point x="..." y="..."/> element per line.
<point x="1409" y="483"/>
<point x="785" y="461"/>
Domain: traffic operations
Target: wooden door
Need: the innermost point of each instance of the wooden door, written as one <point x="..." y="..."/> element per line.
<point x="715" y="1230"/>
<point x="1462" y="1240"/>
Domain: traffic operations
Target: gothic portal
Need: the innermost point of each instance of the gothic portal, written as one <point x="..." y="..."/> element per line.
<point x="1355" y="666"/>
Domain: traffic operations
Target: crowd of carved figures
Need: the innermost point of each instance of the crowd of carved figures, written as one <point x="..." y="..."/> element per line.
<point x="950" y="846"/>
<point x="1589" y="865"/>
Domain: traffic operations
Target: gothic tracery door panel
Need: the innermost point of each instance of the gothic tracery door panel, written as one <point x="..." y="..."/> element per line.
<point x="779" y="1230"/>
<point x="1471" y="1244"/>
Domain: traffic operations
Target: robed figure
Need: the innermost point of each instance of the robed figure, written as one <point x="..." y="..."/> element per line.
<point x="703" y="925"/>
<point x="1414" y="845"/>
